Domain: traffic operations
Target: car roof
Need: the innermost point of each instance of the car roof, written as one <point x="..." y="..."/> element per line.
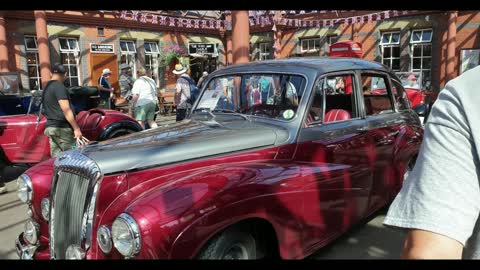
<point x="318" y="65"/>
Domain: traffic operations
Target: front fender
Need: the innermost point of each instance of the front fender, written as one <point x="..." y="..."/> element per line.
<point x="177" y="220"/>
<point x="126" y="124"/>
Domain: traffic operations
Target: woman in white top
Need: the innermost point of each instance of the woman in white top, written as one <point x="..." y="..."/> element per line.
<point x="144" y="98"/>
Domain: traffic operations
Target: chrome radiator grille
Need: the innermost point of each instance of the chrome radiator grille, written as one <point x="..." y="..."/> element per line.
<point x="72" y="202"/>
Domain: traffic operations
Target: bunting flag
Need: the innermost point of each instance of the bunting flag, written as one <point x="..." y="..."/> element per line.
<point x="135" y="16"/>
<point x="163" y="20"/>
<point x="143" y="18"/>
<point x="261" y="18"/>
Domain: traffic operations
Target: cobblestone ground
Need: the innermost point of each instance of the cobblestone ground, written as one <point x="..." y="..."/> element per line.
<point x="369" y="241"/>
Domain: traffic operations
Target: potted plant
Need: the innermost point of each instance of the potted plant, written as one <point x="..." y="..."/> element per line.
<point x="168" y="54"/>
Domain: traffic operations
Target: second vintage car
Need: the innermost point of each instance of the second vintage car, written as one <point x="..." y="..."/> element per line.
<point x="274" y="160"/>
<point x="23" y="144"/>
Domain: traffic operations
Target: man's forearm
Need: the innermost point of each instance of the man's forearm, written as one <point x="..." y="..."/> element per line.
<point x="71" y="119"/>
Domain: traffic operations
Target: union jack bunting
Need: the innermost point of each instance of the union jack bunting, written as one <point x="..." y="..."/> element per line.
<point x="154" y="19"/>
<point x="135" y="16"/>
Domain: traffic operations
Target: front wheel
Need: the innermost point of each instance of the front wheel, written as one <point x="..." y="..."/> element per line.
<point x="231" y="244"/>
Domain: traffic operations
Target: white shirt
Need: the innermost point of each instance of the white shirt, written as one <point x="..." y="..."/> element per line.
<point x="146" y="89"/>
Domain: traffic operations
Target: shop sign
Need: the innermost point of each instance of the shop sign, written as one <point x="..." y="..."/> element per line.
<point x="101" y="48"/>
<point x="201" y="48"/>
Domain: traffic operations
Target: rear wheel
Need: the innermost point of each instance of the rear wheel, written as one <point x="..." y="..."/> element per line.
<point x="231" y="244"/>
<point x="119" y="132"/>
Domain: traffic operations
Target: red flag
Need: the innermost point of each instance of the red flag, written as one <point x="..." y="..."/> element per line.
<point x="189" y="24"/>
<point x="252" y="22"/>
<point x="196" y="23"/>
<point x="217" y="24"/>
<point x="123" y="14"/>
<point x="395" y="13"/>
<point x="369" y="18"/>
<point x="154" y="19"/>
<point x="172" y="21"/>
<point x="180" y="22"/>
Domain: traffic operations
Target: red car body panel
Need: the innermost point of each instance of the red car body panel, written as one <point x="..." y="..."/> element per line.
<point x="23" y="142"/>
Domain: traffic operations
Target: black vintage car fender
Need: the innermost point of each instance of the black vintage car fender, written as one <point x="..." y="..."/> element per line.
<point x="112" y="129"/>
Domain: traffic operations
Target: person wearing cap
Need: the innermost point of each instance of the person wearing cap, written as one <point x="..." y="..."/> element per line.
<point x="412" y="82"/>
<point x="144" y="98"/>
<point x="126" y="80"/>
<point x="182" y="91"/>
<point x="105" y="88"/>
<point x="61" y="128"/>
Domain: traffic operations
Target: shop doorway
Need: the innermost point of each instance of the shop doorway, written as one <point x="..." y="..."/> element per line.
<point x="98" y="62"/>
<point x="200" y="64"/>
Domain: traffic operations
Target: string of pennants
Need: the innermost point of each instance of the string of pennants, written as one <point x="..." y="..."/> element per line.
<point x="258" y="18"/>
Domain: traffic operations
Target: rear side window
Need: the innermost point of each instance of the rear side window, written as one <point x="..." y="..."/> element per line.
<point x="375" y="95"/>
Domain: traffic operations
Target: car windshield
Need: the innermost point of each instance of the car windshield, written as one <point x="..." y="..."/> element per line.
<point x="274" y="96"/>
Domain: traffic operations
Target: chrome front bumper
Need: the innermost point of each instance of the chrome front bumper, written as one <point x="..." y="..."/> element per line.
<point x="24" y="250"/>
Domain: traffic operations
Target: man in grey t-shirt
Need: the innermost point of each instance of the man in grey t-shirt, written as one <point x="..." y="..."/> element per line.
<point x="440" y="200"/>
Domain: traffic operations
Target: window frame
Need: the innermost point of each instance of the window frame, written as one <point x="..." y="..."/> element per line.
<point x="411" y="41"/>
<point x="38" y="78"/>
<point x="308" y="40"/>
<point x="355" y="100"/>
<point x="409" y="103"/>
<point x="67" y="52"/>
<point x="388" y="85"/>
<point x="391" y="45"/>
<point x="263" y="45"/>
<point x="129" y="54"/>
<point x="154" y="57"/>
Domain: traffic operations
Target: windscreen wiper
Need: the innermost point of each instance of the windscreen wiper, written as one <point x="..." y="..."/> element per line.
<point x="232" y="112"/>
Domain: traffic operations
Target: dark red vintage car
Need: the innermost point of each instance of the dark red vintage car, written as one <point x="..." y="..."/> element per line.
<point x="274" y="160"/>
<point x="22" y="142"/>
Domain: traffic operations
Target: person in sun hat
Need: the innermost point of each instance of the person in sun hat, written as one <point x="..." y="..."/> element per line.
<point x="105" y="89"/>
<point x="182" y="96"/>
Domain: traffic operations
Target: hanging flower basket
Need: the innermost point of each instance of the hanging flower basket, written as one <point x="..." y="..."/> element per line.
<point x="168" y="54"/>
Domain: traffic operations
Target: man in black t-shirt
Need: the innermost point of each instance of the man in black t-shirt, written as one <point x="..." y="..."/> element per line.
<point x="61" y="128"/>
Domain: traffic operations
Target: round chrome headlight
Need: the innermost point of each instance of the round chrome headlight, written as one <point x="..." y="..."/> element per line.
<point x="45" y="208"/>
<point x="24" y="188"/>
<point x="31" y="231"/>
<point x="104" y="239"/>
<point x="126" y="235"/>
<point x="74" y="252"/>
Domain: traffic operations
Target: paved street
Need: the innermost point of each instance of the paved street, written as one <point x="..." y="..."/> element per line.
<point x="370" y="241"/>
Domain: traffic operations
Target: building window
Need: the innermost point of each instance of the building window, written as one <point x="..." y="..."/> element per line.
<point x="33" y="65"/>
<point x="128" y="52"/>
<point x="390" y="46"/>
<point x="421" y="54"/>
<point x="69" y="56"/>
<point x="100" y="31"/>
<point x="151" y="58"/>
<point x="329" y="41"/>
<point x="310" y="45"/>
<point x="265" y="50"/>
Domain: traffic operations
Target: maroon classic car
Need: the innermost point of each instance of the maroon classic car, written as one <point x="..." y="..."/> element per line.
<point x="22" y="142"/>
<point x="272" y="161"/>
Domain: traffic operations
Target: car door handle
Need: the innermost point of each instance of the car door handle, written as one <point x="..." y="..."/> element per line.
<point x="362" y="129"/>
